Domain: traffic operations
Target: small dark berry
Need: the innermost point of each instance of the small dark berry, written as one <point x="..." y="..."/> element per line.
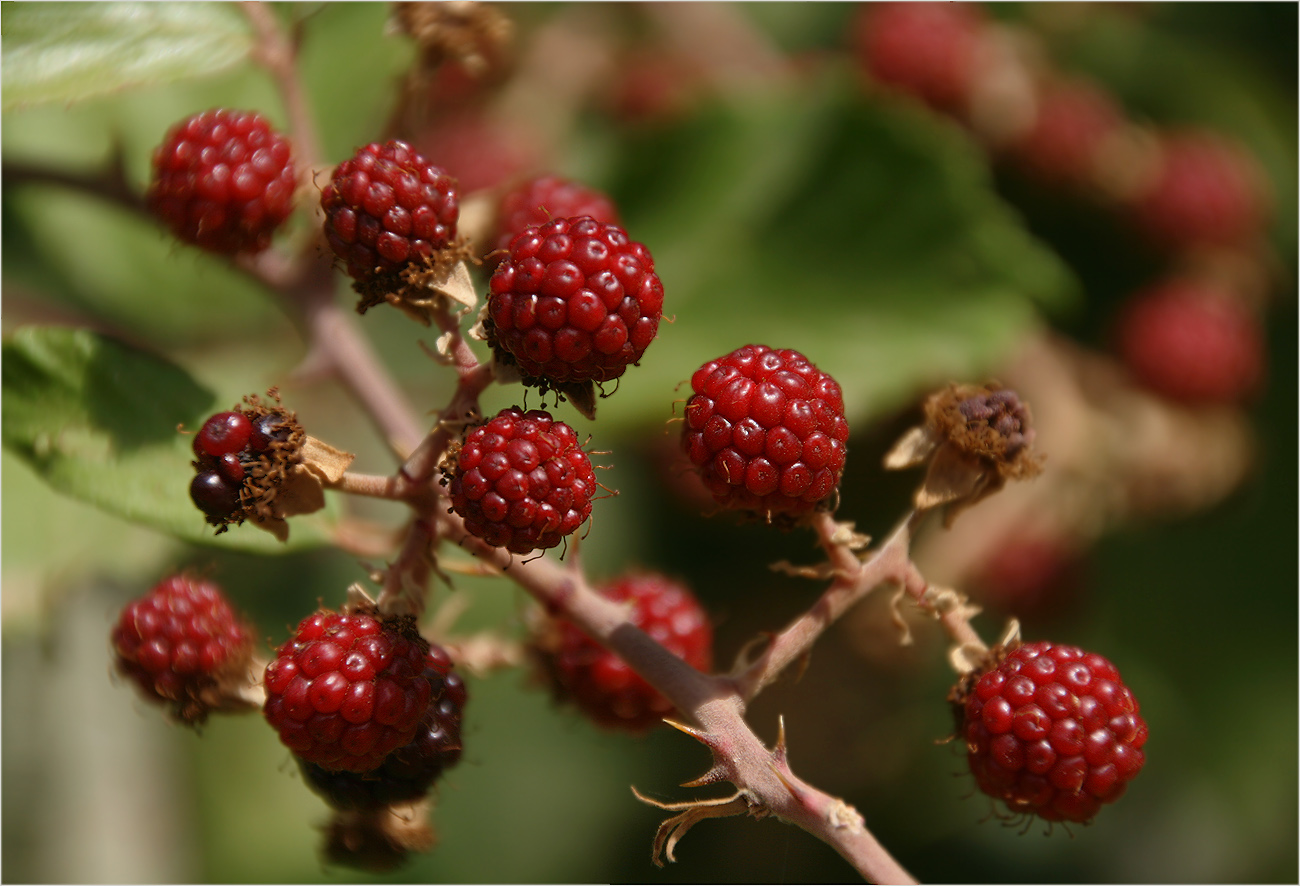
<point x="214" y="495"/>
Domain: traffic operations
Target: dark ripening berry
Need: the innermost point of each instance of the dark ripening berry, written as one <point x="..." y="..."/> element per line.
<point x="522" y="482"/>
<point x="348" y="689"/>
<point x="998" y="420"/>
<point x="766" y="428"/>
<point x="574" y="301"/>
<point x="388" y="208"/>
<point x="601" y="683"/>
<point x="407" y="773"/>
<point x="214" y="494"/>
<point x="1192" y="342"/>
<point x="223" y="434"/>
<point x="223" y="180"/>
<point x="1053" y="731"/>
<point x="268" y="429"/>
<point x="543" y="199"/>
<point x="176" y="641"/>
<point x="927" y="50"/>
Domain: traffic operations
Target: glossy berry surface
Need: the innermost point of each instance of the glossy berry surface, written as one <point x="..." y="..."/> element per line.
<point x="1053" y="731"/>
<point x="388" y="207"/>
<point x="348" y="689"/>
<point x="575" y="300"/>
<point x="600" y="683"/>
<point x="766" y="429"/>
<point x="223" y="180"/>
<point x="927" y="50"/>
<point x="522" y="482"/>
<point x="1191" y="342"/>
<point x="223" y="434"/>
<point x="548" y="197"/>
<point x="1207" y="192"/>
<point x="408" y="772"/>
<point x="215" y="493"/>
<point x="173" y="641"/>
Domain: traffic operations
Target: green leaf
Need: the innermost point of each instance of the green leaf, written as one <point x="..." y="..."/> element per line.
<point x="63" y="52"/>
<point x="867" y="236"/>
<point x="98" y="420"/>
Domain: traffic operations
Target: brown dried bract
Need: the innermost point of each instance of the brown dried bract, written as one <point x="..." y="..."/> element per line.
<point x="975" y="439"/>
<point x="421" y="288"/>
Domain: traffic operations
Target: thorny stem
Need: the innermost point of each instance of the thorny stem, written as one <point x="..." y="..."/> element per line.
<point x="854" y="579"/>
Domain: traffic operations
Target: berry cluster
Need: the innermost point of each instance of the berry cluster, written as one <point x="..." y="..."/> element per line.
<point x="348" y="689"/>
<point x="929" y="50"/>
<point x="1053" y="731"/>
<point x="575" y="300"/>
<point x="767" y="430"/>
<point x="407" y="773"/>
<point x="179" y="641"/>
<point x="228" y="448"/>
<point x="387" y="208"/>
<point x="223" y="180"/>
<point x="522" y="482"/>
<point x="599" y="682"/>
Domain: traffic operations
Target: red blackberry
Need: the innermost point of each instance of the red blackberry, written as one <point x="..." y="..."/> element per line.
<point x="387" y="208"/>
<point x="522" y="482"/>
<point x="766" y="428"/>
<point x="348" y="689"/>
<point x="598" y="681"/>
<point x="1208" y="192"/>
<point x="223" y="434"/>
<point x="539" y="200"/>
<point x="1074" y="119"/>
<point x="178" y="642"/>
<point x="223" y="180"/>
<point x="1191" y="342"/>
<point x="1053" y="731"/>
<point x="408" y="772"/>
<point x="927" y="50"/>
<point x="574" y="301"/>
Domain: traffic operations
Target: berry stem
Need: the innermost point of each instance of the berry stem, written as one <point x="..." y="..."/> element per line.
<point x="110" y="184"/>
<point x="854" y="579"/>
<point x="278" y="54"/>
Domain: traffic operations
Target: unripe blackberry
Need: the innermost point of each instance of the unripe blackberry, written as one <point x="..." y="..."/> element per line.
<point x="1074" y="120"/>
<point x="223" y="180"/>
<point x="408" y="772"/>
<point x="1192" y="342"/>
<point x="348" y="689"/>
<point x="599" y="682"/>
<point x="574" y="301"/>
<point x="522" y="482"/>
<point x="388" y="208"/>
<point x="545" y="198"/>
<point x="1208" y="191"/>
<point x="1052" y="731"/>
<point x="179" y="642"/>
<point x="767" y="430"/>
<point x="927" y="50"/>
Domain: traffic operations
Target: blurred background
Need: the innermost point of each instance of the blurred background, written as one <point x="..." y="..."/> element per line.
<point x="896" y="194"/>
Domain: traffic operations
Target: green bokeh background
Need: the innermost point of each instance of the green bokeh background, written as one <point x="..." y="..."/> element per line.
<point x="873" y="237"/>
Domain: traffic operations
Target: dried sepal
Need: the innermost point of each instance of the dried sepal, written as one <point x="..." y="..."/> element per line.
<point x="975" y="439"/>
<point x="379" y="839"/>
<point x="423" y="288"/>
<point x="671" y="830"/>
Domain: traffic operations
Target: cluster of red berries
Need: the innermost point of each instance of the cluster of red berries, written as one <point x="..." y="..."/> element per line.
<point x="600" y="683"/>
<point x="521" y="481"/>
<point x="573" y="301"/>
<point x="386" y="208"/>
<point x="178" y="641"/>
<point x="1053" y="731"/>
<point x="407" y="773"/>
<point x="227" y="446"/>
<point x="223" y="180"/>
<point x="766" y="429"/>
<point x="348" y="689"/>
